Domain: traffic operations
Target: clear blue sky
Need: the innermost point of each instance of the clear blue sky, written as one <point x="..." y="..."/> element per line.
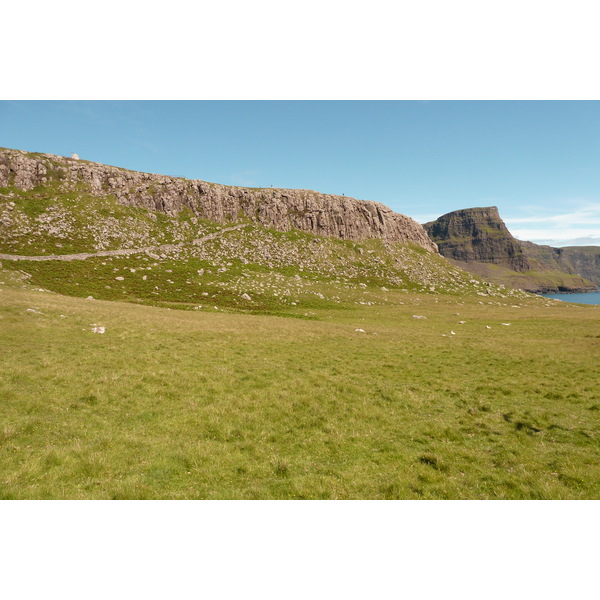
<point x="539" y="162"/>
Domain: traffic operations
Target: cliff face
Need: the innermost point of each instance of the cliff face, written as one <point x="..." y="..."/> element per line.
<point x="477" y="234"/>
<point x="584" y="260"/>
<point x="477" y="240"/>
<point x="580" y="260"/>
<point x="321" y="214"/>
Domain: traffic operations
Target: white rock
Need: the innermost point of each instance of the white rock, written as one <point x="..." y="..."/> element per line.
<point x="119" y="278"/>
<point x="360" y="330"/>
<point x="246" y="297"/>
<point x="419" y="317"/>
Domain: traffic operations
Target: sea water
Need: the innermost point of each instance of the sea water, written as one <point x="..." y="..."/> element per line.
<point x="584" y="298"/>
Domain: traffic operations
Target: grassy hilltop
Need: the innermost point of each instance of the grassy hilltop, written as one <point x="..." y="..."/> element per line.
<point x="251" y="363"/>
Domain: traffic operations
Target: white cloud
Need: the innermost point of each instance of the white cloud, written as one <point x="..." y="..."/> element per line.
<point x="585" y="215"/>
<point x="562" y="228"/>
<point x="538" y="235"/>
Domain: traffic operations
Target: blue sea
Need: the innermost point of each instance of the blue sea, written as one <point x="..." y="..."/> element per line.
<point x="585" y="298"/>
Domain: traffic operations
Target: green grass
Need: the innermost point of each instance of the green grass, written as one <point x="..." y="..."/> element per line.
<point x="176" y="404"/>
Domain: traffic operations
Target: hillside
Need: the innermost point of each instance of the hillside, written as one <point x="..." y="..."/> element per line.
<point x="477" y="240"/>
<point x="85" y="229"/>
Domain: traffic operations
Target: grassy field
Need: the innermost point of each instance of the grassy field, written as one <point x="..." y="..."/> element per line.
<point x="195" y="404"/>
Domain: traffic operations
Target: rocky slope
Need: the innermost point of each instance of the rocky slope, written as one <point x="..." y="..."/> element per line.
<point x="284" y="210"/>
<point x="477" y="240"/>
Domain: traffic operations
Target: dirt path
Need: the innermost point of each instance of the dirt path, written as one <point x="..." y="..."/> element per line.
<point x="125" y="252"/>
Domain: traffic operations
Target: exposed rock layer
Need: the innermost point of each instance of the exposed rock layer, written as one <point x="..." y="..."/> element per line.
<point x="305" y="210"/>
<point x="477" y="234"/>
<point x="580" y="260"/>
<point x="477" y="240"/>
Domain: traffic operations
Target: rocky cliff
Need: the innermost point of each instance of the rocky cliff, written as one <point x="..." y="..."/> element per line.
<point x="477" y="234"/>
<point x="321" y="214"/>
<point x="579" y="260"/>
<point x="477" y="240"/>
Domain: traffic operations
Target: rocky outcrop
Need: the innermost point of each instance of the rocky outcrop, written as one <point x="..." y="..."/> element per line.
<point x="305" y="210"/>
<point x="477" y="234"/>
<point x="477" y="240"/>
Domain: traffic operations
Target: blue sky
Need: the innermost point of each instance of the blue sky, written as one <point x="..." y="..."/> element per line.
<point x="538" y="161"/>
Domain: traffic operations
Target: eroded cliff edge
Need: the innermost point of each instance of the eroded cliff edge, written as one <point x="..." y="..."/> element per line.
<point x="282" y="209"/>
